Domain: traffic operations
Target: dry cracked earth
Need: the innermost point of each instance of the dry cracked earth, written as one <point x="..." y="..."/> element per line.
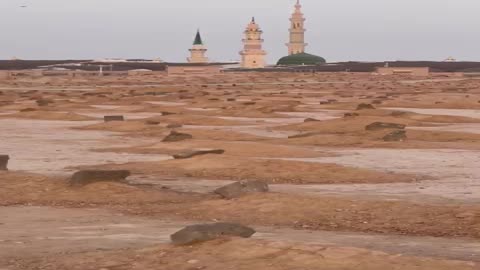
<point x="342" y="196"/>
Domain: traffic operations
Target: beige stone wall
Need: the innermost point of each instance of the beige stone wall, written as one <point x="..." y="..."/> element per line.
<point x="185" y="70"/>
<point x="414" y="71"/>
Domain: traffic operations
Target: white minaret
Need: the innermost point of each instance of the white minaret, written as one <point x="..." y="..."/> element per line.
<point x="297" y="31"/>
<point x="253" y="56"/>
<point x="198" y="50"/>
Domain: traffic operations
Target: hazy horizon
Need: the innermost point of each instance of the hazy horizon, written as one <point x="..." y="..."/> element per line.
<point x="342" y="30"/>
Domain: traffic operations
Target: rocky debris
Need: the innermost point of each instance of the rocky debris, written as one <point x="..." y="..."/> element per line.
<point x="4" y="162"/>
<point x="398" y="113"/>
<point x="111" y="118"/>
<point x="241" y="188"/>
<point x="28" y="110"/>
<point x="82" y="178"/>
<point x="43" y="102"/>
<point x="396" y="136"/>
<point x="174" y="125"/>
<point x="365" y="106"/>
<point x="205" y="232"/>
<point x="152" y="122"/>
<point x="175" y="136"/>
<point x="383" y="125"/>
<point x="311" y="120"/>
<point x="302" y="135"/>
<point x="199" y="152"/>
<point x="351" y="115"/>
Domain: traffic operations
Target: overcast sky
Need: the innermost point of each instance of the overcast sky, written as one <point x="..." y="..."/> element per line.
<point x="338" y="30"/>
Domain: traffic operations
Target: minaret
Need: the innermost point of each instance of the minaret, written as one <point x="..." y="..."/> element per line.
<point x="253" y="56"/>
<point x="297" y="31"/>
<point x="198" y="50"/>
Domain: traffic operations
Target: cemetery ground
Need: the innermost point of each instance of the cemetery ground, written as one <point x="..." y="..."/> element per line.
<point x="363" y="171"/>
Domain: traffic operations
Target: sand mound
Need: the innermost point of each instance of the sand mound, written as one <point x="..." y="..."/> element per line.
<point x="272" y="171"/>
<point x="46" y="115"/>
<point x="248" y="254"/>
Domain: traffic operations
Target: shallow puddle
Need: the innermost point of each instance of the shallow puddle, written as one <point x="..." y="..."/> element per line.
<point x="261" y="131"/>
<point x="51" y="146"/>
<point x="127" y="115"/>
<point x="467" y="128"/>
<point x="456" y="173"/>
<point x="44" y="230"/>
<point x="451" y="112"/>
<point x="264" y="120"/>
<point x="166" y="103"/>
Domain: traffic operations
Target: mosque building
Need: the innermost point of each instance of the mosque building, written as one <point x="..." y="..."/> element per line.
<point x="253" y="56"/>
<point x="296" y="46"/>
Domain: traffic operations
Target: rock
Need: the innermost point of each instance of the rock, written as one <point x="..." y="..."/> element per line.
<point x="152" y="122"/>
<point x="398" y="113"/>
<point x="110" y="118"/>
<point x="248" y="103"/>
<point x="206" y="232"/>
<point x="167" y="113"/>
<point x="173" y="125"/>
<point x="193" y="153"/>
<point x="43" y="102"/>
<point x="4" y="162"/>
<point x="175" y="136"/>
<point x="82" y="178"/>
<point x="351" y="115"/>
<point x="365" y="106"/>
<point x="28" y="110"/>
<point x="383" y="125"/>
<point x="241" y="188"/>
<point x="231" y="99"/>
<point x="396" y="136"/>
<point x="311" y="120"/>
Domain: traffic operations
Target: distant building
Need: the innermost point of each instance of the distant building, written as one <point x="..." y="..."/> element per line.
<point x="450" y="59"/>
<point x="198" y="50"/>
<point x="296" y="46"/>
<point x="253" y="56"/>
<point x="412" y="71"/>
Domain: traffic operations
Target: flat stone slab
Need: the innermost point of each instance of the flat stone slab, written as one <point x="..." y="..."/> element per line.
<point x="384" y="125"/>
<point x="396" y="136"/>
<point x="199" y="152"/>
<point x="110" y="118"/>
<point x="175" y="136"/>
<point x="241" y="188"/>
<point x="82" y="178"/>
<point x="4" y="162"/>
<point x="206" y="232"/>
<point x="365" y="106"/>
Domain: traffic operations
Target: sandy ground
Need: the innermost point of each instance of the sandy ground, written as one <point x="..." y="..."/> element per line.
<point x="341" y="197"/>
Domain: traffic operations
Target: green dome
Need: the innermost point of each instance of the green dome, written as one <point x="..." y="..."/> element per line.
<point x="301" y="59"/>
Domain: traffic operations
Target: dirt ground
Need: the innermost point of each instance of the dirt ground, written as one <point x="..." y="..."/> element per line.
<point x="341" y="197"/>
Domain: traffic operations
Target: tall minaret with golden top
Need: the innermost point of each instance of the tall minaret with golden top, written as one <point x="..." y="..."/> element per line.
<point x="297" y="31"/>
<point x="253" y="56"/>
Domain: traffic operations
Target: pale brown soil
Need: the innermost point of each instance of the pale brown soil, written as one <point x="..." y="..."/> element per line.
<point x="333" y="175"/>
<point x="307" y="212"/>
<point x="226" y="167"/>
<point x="242" y="254"/>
